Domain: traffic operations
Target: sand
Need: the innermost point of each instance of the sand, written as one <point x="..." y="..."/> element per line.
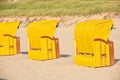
<point x="19" y="67"/>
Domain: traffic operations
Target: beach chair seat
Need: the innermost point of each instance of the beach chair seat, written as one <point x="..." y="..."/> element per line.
<point x="43" y="44"/>
<point x="92" y="45"/>
<point x="10" y="44"/>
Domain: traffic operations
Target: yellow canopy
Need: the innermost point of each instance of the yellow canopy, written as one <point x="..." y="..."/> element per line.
<point x="86" y="32"/>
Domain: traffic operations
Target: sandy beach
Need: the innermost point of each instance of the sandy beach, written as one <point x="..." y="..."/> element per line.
<point x="19" y="67"/>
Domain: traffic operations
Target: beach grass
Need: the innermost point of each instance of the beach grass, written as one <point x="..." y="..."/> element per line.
<point x="57" y="7"/>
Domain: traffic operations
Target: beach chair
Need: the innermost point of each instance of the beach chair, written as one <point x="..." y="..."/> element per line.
<point x="92" y="45"/>
<point x="9" y="43"/>
<point x="42" y="43"/>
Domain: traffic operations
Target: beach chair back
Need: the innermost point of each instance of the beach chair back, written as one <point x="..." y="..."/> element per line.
<point x="92" y="45"/>
<point x="43" y="44"/>
<point x="9" y="42"/>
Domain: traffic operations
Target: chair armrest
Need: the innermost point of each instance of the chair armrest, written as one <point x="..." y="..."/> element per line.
<point x="48" y="37"/>
<point x="1" y="46"/>
<point x="10" y="35"/>
<point x="99" y="39"/>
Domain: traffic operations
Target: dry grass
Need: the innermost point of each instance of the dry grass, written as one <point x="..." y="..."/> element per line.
<point x="57" y="7"/>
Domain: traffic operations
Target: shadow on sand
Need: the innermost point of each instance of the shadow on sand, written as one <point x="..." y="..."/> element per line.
<point x="24" y="52"/>
<point x="65" y="55"/>
<point x="2" y="79"/>
<point x="116" y="60"/>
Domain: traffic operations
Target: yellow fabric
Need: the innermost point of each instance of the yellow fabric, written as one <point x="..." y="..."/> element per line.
<point x="8" y="43"/>
<point x="85" y="33"/>
<point x="1" y="38"/>
<point x="35" y="31"/>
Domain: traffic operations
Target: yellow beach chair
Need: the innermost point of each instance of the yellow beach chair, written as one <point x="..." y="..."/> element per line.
<point x="92" y="46"/>
<point x="9" y="43"/>
<point x="43" y="44"/>
<point x="1" y="38"/>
